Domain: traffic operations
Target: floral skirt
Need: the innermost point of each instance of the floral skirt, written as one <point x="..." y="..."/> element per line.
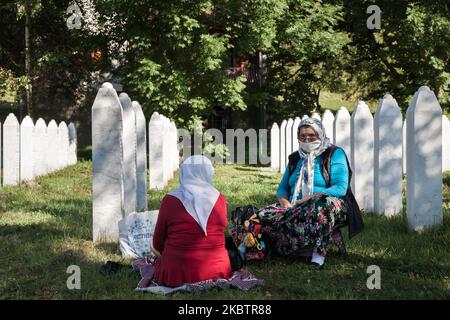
<point x="308" y="224"/>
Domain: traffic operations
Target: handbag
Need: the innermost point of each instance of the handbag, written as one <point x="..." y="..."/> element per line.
<point x="247" y="234"/>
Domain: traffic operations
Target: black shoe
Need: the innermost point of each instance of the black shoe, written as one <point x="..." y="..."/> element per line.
<point x="316" y="266"/>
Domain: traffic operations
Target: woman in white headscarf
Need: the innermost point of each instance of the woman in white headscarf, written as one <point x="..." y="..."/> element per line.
<point x="315" y="191"/>
<point x="189" y="234"/>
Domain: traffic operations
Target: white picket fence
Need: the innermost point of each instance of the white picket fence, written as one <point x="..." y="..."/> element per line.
<point x="383" y="147"/>
<point x="33" y="149"/>
<point x="119" y="156"/>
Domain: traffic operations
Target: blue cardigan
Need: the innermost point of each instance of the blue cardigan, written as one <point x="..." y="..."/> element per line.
<point x="338" y="177"/>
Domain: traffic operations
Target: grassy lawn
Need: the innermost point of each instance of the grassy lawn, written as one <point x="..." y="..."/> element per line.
<point x="45" y="226"/>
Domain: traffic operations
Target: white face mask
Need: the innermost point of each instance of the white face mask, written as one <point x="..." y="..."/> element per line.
<point x="309" y="146"/>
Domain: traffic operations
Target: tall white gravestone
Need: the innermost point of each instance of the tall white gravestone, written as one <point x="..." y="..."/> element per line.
<point x="107" y="162"/>
<point x="167" y="168"/>
<point x="424" y="161"/>
<point x="342" y="131"/>
<point x="294" y="134"/>
<point x="328" y="122"/>
<point x="362" y="154"/>
<point x="172" y="147"/>
<point x="40" y="148"/>
<point x="155" y="151"/>
<point x="53" y="145"/>
<point x="275" y="146"/>
<point x="129" y="154"/>
<point x="404" y="146"/>
<point x="176" y="153"/>
<point x="289" y="125"/>
<point x="388" y="157"/>
<point x="26" y="149"/>
<point x="283" y="146"/>
<point x="72" y="144"/>
<point x="63" y="144"/>
<point x="141" y="158"/>
<point x="11" y="151"/>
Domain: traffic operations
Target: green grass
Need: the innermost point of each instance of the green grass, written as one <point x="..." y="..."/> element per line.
<point x="45" y="226"/>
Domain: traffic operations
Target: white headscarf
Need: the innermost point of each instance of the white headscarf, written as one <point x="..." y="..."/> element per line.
<point x="196" y="191"/>
<point x="305" y="179"/>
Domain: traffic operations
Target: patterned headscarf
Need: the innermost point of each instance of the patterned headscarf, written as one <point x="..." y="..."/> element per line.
<point x="317" y="126"/>
<point x="305" y="179"/>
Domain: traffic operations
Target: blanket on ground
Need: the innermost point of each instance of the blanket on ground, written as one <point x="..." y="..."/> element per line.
<point x="241" y="279"/>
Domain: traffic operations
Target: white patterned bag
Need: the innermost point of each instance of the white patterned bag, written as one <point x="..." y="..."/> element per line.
<point x="136" y="234"/>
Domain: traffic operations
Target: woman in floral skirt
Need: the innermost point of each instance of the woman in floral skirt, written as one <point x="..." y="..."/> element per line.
<point x="314" y="196"/>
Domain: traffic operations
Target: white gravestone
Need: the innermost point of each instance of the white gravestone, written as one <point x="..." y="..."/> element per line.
<point x="275" y="146"/>
<point x="175" y="156"/>
<point x="342" y="131"/>
<point x="53" y="145"/>
<point x="404" y="146"/>
<point x="388" y="157"/>
<point x="129" y="154"/>
<point x="283" y="163"/>
<point x="155" y="151"/>
<point x="327" y="123"/>
<point x="72" y="144"/>
<point x="289" y="125"/>
<point x="57" y="149"/>
<point x="11" y="151"/>
<point x="362" y="153"/>
<point x="167" y="168"/>
<point x="107" y="163"/>
<point x="424" y="161"/>
<point x="40" y="148"/>
<point x="445" y="144"/>
<point x="171" y="149"/>
<point x="64" y="144"/>
<point x="294" y="134"/>
<point x="26" y="149"/>
<point x="141" y="158"/>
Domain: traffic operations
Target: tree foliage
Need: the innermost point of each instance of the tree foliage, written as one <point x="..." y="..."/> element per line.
<point x="411" y="49"/>
<point x="173" y="55"/>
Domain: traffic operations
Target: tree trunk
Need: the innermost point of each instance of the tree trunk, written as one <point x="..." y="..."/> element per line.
<point x="317" y="101"/>
<point x="29" y="87"/>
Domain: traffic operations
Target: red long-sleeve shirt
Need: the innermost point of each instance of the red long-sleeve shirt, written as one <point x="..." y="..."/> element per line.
<point x="187" y="255"/>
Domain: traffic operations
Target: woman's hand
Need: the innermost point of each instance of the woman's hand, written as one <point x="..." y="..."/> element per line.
<point x="156" y="252"/>
<point x="302" y="200"/>
<point x="285" y="203"/>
